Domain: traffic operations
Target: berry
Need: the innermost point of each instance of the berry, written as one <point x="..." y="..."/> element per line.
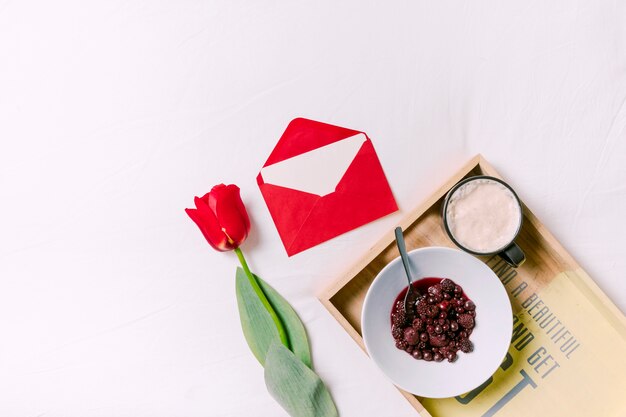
<point x="466" y="321"/>
<point x="396" y="332"/>
<point x="422" y="308"/>
<point x="432" y="311"/>
<point x="400" y="316"/>
<point x="454" y="326"/>
<point x="469" y="305"/>
<point x="417" y="354"/>
<point x="435" y="290"/>
<point x="438" y="357"/>
<point x="411" y="336"/>
<point x="438" y="341"/>
<point x="401" y="344"/>
<point x="444" y="305"/>
<point x="466" y="346"/>
<point x="427" y="355"/>
<point x="418" y="324"/>
<point x="438" y="329"/>
<point x="424" y="337"/>
<point x="447" y="285"/>
<point x="451" y="356"/>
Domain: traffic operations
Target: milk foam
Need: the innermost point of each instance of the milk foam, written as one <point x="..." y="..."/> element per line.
<point x="483" y="215"/>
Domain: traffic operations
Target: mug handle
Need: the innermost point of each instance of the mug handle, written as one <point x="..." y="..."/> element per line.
<point x="513" y="255"/>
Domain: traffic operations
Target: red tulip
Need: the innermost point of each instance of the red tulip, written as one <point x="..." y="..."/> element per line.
<point x="221" y="217"/>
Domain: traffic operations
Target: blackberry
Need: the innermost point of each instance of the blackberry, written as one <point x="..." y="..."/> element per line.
<point x="418" y="324"/>
<point x="396" y="332"/>
<point x="401" y="344"/>
<point x="422" y="308"/>
<point x="435" y="290"/>
<point x="466" y="321"/>
<point x="466" y="345"/>
<point x="447" y="285"/>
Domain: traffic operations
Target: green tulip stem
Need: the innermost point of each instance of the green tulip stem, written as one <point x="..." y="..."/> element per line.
<point x="259" y="292"/>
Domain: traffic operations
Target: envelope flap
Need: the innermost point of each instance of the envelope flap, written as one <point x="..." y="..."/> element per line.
<point x="317" y="171"/>
<point x="303" y="135"/>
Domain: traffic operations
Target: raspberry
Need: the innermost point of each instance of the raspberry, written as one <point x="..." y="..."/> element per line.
<point x="466" y="321"/>
<point x="466" y="346"/>
<point x="411" y="336"/>
<point x="447" y="285"/>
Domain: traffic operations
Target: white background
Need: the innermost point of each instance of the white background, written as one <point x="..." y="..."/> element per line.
<point x="114" y="114"/>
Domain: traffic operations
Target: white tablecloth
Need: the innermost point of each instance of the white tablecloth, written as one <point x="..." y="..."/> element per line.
<point x="114" y="114"/>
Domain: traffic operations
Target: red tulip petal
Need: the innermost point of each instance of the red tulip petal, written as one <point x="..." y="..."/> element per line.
<point x="208" y="225"/>
<point x="214" y="195"/>
<point x="205" y="198"/>
<point x="242" y="212"/>
<point x="229" y="213"/>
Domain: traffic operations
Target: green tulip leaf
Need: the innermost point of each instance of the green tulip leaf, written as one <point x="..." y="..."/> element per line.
<point x="257" y="324"/>
<point x="258" y="327"/>
<point x="296" y="387"/>
<point x="298" y="341"/>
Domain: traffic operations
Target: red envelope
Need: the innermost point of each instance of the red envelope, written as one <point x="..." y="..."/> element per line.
<point x="321" y="181"/>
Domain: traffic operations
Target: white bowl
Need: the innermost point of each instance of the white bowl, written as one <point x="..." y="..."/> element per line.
<point x="491" y="336"/>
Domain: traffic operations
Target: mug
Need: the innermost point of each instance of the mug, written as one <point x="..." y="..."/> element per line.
<point x="510" y="251"/>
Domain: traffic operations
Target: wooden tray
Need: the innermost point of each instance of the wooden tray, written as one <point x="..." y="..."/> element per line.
<point x="567" y="355"/>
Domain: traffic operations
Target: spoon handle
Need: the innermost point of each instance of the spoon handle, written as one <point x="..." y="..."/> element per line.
<point x="403" y="254"/>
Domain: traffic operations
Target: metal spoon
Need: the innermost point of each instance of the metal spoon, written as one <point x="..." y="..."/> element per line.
<point x="405" y="262"/>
